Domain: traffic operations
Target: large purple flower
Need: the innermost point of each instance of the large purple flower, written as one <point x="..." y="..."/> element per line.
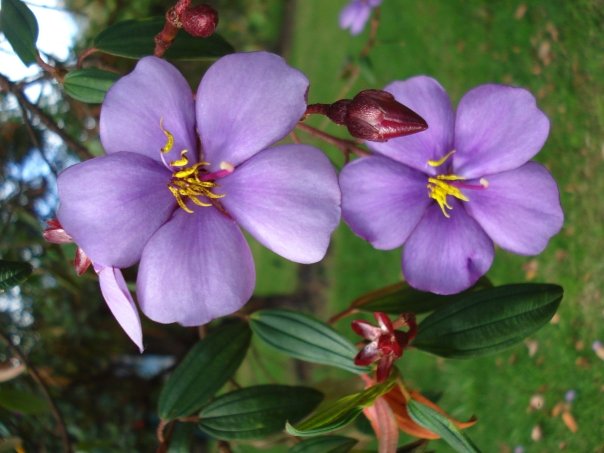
<point x="356" y="13"/>
<point x="448" y="193"/>
<point x="181" y="175"/>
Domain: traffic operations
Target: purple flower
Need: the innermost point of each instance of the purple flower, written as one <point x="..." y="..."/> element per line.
<point x="450" y="192"/>
<point x="181" y="176"/>
<point x="355" y="15"/>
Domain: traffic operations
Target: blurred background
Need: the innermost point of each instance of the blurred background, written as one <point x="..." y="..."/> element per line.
<point x="107" y="392"/>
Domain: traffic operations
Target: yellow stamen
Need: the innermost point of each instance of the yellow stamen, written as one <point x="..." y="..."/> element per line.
<point x="439" y="189"/>
<point x="439" y="162"/>
<point x="169" y="138"/>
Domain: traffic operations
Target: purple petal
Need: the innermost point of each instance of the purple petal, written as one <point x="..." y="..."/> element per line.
<point x="382" y="200"/>
<point x="196" y="268"/>
<point x="245" y="103"/>
<point x="446" y="255"/>
<point x="288" y="198"/>
<point x="428" y="99"/>
<point x="520" y="210"/>
<point x="354" y="16"/>
<point x="112" y="205"/>
<point x="118" y="298"/>
<point x="498" y="128"/>
<point x="134" y="106"/>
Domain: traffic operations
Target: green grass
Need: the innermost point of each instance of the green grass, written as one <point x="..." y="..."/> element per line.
<point x="555" y="50"/>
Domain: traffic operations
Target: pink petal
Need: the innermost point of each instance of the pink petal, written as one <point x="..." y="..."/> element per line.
<point x="369" y="354"/>
<point x="366" y="330"/>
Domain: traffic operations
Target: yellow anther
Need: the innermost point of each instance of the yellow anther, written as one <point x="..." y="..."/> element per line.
<point x="169" y="137"/>
<point x="184" y="160"/>
<point x="439" y="162"/>
<point x="439" y="189"/>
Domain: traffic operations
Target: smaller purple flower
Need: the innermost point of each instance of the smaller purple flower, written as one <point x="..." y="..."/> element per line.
<point x="449" y="193"/>
<point x="356" y="13"/>
<point x="183" y="174"/>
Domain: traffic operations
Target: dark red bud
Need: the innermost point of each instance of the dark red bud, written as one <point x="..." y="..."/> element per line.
<point x="376" y="116"/>
<point x="338" y="110"/>
<point x="199" y="21"/>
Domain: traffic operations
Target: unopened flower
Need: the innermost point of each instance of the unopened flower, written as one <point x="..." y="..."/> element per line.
<point x="181" y="175"/>
<point x="386" y="344"/>
<point x="356" y="13"/>
<point x="199" y="21"/>
<point x="376" y="115"/>
<point x="450" y="192"/>
<point x="56" y="234"/>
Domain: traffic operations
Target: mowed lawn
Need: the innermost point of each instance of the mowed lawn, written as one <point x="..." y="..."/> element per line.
<point x="554" y="49"/>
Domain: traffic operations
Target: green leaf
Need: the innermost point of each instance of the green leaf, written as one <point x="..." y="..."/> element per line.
<point x="402" y="298"/>
<point x="336" y="415"/>
<point x="487" y="321"/>
<point x="21" y="401"/>
<point x="89" y="85"/>
<point x="305" y="338"/>
<point x="254" y="412"/>
<point x="135" y="39"/>
<point x="12" y="273"/>
<point x="325" y="444"/>
<point x="20" y="27"/>
<point x="437" y="423"/>
<point x="204" y="370"/>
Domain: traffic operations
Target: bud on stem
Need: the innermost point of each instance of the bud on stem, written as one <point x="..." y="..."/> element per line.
<point x="373" y="115"/>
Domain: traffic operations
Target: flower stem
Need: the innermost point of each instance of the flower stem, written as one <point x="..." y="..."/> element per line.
<point x="346" y="146"/>
<point x="335" y="318"/>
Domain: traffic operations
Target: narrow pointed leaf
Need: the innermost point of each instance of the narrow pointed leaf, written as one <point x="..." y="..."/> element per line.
<point x="20" y="28"/>
<point x="204" y="370"/>
<point x="441" y="425"/>
<point x="89" y="85"/>
<point x="255" y="412"/>
<point x="325" y="444"/>
<point x="402" y="298"/>
<point x="487" y="321"/>
<point x="306" y="338"/>
<point x="12" y="273"/>
<point x="135" y="39"/>
<point x="335" y="415"/>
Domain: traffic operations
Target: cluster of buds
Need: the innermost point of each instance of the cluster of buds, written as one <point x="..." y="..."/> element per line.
<point x="386" y="344"/>
<point x="199" y="21"/>
<point x="373" y="115"/>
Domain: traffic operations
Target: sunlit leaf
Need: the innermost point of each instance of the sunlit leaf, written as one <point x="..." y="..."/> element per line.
<point x="487" y="321"/>
<point x="441" y="425"/>
<point x="254" y="412"/>
<point x="402" y="298"/>
<point x="305" y="338"/>
<point x="135" y="39"/>
<point x="12" y="273"/>
<point x="20" y="401"/>
<point x="335" y="415"/>
<point x="20" y="28"/>
<point x="204" y="370"/>
<point x="89" y="85"/>
<point x="324" y="444"/>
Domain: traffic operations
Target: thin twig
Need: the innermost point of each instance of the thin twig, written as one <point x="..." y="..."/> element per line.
<point x="346" y="146"/>
<point x="81" y="150"/>
<point x="38" y="379"/>
<point x="349" y="311"/>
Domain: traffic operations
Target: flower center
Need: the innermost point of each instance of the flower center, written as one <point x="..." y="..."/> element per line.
<point x="192" y="182"/>
<point x="444" y="185"/>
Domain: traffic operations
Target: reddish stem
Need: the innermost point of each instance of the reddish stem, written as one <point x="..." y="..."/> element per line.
<point x="346" y="146"/>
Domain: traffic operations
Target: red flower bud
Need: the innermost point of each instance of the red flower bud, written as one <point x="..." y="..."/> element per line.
<point x="376" y="116"/>
<point x="199" y="21"/>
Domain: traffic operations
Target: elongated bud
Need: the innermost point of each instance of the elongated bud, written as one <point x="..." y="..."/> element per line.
<point x="373" y="115"/>
<point x="199" y="21"/>
<point x="376" y="116"/>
